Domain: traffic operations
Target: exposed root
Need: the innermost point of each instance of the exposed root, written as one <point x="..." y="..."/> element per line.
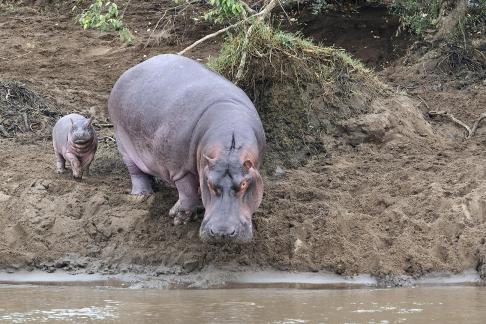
<point x="470" y="131"/>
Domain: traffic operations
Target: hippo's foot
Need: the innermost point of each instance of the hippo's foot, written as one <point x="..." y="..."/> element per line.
<point x="180" y="214"/>
<point x="60" y="170"/>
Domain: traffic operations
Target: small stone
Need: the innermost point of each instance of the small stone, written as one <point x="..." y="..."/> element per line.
<point x="279" y="171"/>
<point x="190" y="266"/>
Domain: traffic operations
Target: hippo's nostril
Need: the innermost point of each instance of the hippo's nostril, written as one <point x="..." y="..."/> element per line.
<point x="211" y="232"/>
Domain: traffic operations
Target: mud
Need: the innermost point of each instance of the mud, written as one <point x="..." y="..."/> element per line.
<point x="397" y="195"/>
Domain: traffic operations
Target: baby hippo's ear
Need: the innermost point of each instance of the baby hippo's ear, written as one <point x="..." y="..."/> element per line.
<point x="72" y="123"/>
<point x="88" y="123"/>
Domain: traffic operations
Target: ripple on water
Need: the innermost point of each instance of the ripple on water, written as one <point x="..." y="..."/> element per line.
<point x="89" y="313"/>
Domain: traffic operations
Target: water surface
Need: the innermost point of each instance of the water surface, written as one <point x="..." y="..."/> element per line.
<point x="453" y="304"/>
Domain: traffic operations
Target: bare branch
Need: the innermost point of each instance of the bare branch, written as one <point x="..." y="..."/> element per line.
<point x="260" y="16"/>
<point x="241" y="67"/>
<point x="248" y="8"/>
<point x="453" y="119"/>
<point x="476" y="124"/>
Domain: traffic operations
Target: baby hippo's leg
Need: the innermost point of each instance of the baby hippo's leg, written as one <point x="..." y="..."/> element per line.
<point x="75" y="166"/>
<point x="185" y="207"/>
<point x="60" y="163"/>
<point x="87" y="162"/>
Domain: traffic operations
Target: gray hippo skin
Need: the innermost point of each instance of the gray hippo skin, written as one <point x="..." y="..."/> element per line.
<point x="74" y="140"/>
<point x="179" y="121"/>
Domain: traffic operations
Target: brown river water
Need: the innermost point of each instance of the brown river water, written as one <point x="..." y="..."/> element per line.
<point x="88" y="304"/>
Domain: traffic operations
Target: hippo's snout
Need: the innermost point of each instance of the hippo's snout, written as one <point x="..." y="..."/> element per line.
<point x="223" y="231"/>
<point x="81" y="141"/>
<point x="226" y="233"/>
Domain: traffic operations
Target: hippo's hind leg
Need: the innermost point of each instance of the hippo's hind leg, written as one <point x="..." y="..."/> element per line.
<point x="141" y="182"/>
<point x="60" y="163"/>
<point x="185" y="208"/>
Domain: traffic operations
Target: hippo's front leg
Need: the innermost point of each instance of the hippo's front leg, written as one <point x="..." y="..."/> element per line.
<point x="185" y="207"/>
<point x="75" y="165"/>
<point x="87" y="162"/>
<point x="60" y="163"/>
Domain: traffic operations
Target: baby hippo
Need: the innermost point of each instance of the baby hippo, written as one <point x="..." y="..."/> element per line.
<point x="74" y="139"/>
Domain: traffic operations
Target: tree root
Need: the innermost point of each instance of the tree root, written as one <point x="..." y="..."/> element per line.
<point x="470" y="131"/>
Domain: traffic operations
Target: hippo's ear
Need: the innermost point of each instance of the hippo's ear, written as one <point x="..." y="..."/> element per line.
<point x="211" y="162"/>
<point x="72" y="122"/>
<point x="88" y="122"/>
<point x="254" y="194"/>
<point x="247" y="165"/>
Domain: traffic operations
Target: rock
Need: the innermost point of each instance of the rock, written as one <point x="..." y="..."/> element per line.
<point x="279" y="171"/>
<point x="190" y="266"/>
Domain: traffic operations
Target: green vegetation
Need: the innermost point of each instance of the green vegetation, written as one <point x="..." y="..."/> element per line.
<point x="104" y="16"/>
<point x="417" y="15"/>
<point x="224" y="10"/>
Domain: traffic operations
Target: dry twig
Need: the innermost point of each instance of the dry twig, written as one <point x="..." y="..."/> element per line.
<point x="469" y="131"/>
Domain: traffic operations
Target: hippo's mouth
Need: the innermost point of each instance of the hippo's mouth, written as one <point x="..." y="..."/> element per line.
<point x="81" y="141"/>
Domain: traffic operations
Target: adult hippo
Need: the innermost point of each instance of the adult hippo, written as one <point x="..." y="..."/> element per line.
<point x="179" y="121"/>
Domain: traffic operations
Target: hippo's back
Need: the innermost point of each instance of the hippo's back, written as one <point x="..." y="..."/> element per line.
<point x="169" y="84"/>
<point x="156" y="105"/>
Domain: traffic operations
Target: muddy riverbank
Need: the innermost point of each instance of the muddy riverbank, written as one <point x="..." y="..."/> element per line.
<point x="398" y="194"/>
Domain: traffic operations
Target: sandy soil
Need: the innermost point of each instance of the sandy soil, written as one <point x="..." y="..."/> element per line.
<point x="399" y="194"/>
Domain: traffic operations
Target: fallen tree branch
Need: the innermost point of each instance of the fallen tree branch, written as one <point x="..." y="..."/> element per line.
<point x="453" y="119"/>
<point x="265" y="12"/>
<point x="476" y="124"/>
<point x="248" y="9"/>
<point x="205" y="38"/>
<point x="241" y="67"/>
<point x="260" y="16"/>
<point x="470" y="131"/>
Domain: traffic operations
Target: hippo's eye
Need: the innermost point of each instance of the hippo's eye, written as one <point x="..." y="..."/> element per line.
<point x="243" y="185"/>
<point x="215" y="188"/>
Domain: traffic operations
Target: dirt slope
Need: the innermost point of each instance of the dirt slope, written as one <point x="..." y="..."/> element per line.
<point x="398" y="194"/>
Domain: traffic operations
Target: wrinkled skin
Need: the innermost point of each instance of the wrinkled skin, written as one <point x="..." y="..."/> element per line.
<point x="181" y="122"/>
<point x="74" y="140"/>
